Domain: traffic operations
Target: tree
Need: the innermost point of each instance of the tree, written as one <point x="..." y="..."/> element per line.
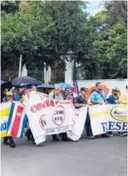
<point x="109" y="51"/>
<point x="43" y="32"/>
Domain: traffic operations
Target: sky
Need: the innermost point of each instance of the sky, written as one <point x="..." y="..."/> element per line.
<point x="95" y="6"/>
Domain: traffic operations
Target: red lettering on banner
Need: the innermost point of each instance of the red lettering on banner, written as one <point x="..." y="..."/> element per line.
<point x="57" y="102"/>
<point x="52" y="103"/>
<point x="33" y="108"/>
<point x="47" y="103"/>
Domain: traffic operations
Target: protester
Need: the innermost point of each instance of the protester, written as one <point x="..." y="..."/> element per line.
<point x="79" y="102"/>
<point x="24" y="95"/>
<point x="68" y="94"/>
<point x="113" y="99"/>
<point x="15" y="94"/>
<point x="124" y="100"/>
<point x="5" y="95"/>
<point x="98" y="96"/>
<point x="124" y="97"/>
<point x="58" y="96"/>
<point x="9" y="140"/>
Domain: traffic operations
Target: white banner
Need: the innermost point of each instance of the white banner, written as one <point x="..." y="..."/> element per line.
<point x="78" y="122"/>
<point x="47" y="116"/>
<point x="108" y="118"/>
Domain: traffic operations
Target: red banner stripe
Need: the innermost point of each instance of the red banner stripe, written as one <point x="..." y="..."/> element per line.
<point x="17" y="121"/>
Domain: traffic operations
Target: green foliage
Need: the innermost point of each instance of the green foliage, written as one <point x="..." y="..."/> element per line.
<point x="44" y="31"/>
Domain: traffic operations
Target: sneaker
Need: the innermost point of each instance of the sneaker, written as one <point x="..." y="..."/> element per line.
<point x="12" y="145"/>
<point x="105" y="135"/>
<point x="28" y="137"/>
<point x="56" y="139"/>
<point x="123" y="135"/>
<point x="6" y="143"/>
<point x="33" y="142"/>
<point x="65" y="139"/>
<point x="91" y="137"/>
<point x="111" y="135"/>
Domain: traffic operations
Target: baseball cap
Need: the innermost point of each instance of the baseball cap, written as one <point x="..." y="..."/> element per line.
<point x="83" y="89"/>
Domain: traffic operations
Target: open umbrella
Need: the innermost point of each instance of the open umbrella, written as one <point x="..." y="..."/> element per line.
<point x="1" y="82"/>
<point x="64" y="85"/>
<point x="25" y="80"/>
<point x="91" y="89"/>
<point x="47" y="86"/>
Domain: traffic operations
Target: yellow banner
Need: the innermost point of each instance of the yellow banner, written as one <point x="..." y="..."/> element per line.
<point x="4" y="113"/>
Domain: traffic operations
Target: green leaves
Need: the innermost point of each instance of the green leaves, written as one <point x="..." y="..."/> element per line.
<point x="44" y="31"/>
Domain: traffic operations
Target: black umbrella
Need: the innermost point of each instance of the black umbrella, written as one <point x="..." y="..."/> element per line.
<point x="1" y="82"/>
<point x="25" y="80"/>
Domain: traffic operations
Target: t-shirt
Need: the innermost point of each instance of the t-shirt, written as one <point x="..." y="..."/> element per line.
<point x="98" y="96"/>
<point x="112" y="99"/>
<point x="80" y="99"/>
<point x="16" y="97"/>
<point x="58" y="97"/>
<point x="124" y="98"/>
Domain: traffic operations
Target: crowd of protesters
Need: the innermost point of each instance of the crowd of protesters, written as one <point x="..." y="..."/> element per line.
<point x="97" y="96"/>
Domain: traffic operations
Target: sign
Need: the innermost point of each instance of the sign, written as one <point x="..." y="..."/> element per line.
<point x="47" y="117"/>
<point x="108" y="118"/>
<point x="4" y="113"/>
<point x="78" y="122"/>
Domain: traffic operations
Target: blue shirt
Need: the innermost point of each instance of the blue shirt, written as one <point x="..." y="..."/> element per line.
<point x="112" y="99"/>
<point x="98" y="96"/>
<point x="16" y="97"/>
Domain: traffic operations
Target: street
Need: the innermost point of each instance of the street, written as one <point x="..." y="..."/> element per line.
<point x="98" y="157"/>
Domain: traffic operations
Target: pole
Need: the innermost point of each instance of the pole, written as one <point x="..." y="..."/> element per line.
<point x="20" y="65"/>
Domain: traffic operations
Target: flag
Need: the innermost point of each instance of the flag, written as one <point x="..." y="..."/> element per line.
<point x="17" y="120"/>
<point x="75" y="89"/>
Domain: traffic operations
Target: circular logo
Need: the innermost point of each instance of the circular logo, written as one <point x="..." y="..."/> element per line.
<point x="58" y="115"/>
<point x="120" y="113"/>
<point x="42" y="121"/>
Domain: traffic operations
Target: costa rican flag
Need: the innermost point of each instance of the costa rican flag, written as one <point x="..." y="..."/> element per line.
<point x="17" y="120"/>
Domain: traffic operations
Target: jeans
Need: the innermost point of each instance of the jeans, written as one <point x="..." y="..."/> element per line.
<point x="88" y="125"/>
<point x="9" y="139"/>
<point x="29" y="134"/>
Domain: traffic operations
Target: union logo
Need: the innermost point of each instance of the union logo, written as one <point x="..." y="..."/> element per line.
<point x="120" y="113"/>
<point x="58" y="116"/>
<point x="43" y="121"/>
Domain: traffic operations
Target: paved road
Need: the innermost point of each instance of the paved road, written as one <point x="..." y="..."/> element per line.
<point x="98" y="157"/>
